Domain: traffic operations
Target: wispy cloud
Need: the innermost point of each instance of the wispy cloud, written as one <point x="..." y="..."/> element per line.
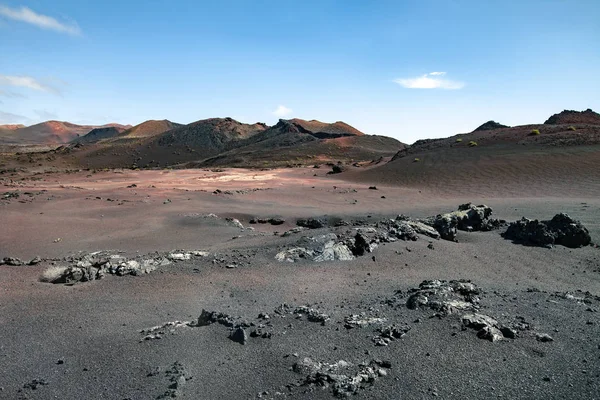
<point x="431" y="80"/>
<point x="29" y="16"/>
<point x="26" y="82"/>
<point x="10" y="118"/>
<point x="45" y="114"/>
<point x="11" y="95"/>
<point x="282" y="111"/>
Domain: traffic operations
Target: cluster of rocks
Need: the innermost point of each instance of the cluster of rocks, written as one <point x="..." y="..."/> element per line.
<point x="177" y="377"/>
<point x="326" y="247"/>
<point x="444" y="297"/>
<point x="311" y="314"/>
<point x="365" y="239"/>
<point x="239" y="329"/>
<point x="240" y="191"/>
<point x="468" y="218"/>
<point x="157" y="332"/>
<point x="561" y="229"/>
<point x="93" y="266"/>
<point x="16" y="262"/>
<point x="390" y="333"/>
<point x="362" y="320"/>
<point x="462" y="296"/>
<point x="272" y="221"/>
<point x="342" y="378"/>
<point x="10" y="195"/>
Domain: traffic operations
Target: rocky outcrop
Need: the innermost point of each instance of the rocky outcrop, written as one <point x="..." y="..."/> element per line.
<point x="445" y="297"/>
<point x="343" y="378"/>
<point x="93" y="266"/>
<point x="560" y="230"/>
<point x="468" y="218"/>
<point x="320" y="248"/>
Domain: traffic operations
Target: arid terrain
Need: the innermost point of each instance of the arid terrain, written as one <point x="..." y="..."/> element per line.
<point x="379" y="281"/>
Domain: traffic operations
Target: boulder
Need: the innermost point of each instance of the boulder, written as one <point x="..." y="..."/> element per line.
<point x="311" y="223"/>
<point x="468" y="218"/>
<point x="561" y="229"/>
<point x="239" y="335"/>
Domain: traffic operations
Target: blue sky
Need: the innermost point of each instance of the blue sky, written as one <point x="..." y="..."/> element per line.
<point x="407" y="69"/>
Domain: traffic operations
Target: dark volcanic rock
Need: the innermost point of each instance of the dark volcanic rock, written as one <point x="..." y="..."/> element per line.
<point x="337" y="169"/>
<point x="15" y="262"/>
<point x="561" y="229"/>
<point x="311" y="223"/>
<point x="239" y="335"/>
<point x="468" y="218"/>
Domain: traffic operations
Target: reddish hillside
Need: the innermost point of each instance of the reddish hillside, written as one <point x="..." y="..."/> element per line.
<point x="50" y="132"/>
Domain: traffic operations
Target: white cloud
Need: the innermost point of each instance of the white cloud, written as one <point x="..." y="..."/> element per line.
<point x="282" y="111"/>
<point x="29" y="16"/>
<point x="431" y="80"/>
<point x="26" y="82"/>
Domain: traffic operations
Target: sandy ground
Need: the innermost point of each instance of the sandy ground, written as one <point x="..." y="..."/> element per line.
<point x="83" y="341"/>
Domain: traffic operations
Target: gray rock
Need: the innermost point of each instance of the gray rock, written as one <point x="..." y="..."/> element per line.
<point x="35" y="260"/>
<point x="544" y="337"/>
<point x="445" y="297"/>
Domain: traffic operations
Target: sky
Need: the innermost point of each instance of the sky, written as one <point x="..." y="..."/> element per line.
<point x="406" y="69"/>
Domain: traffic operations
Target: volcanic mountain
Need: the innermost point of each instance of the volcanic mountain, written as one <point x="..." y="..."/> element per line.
<point x="574" y="117"/>
<point x="296" y="141"/>
<point x="50" y="132"/>
<point x="97" y="134"/>
<point x="149" y="128"/>
<point x="227" y="142"/>
<point x="490" y="126"/>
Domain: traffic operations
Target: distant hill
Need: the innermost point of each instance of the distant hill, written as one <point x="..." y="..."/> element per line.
<point x="297" y="141"/>
<point x="574" y="117"/>
<point x="11" y="127"/>
<point x="323" y="130"/>
<point x="150" y="128"/>
<point x="490" y="125"/>
<point x="50" y="132"/>
<point x="211" y="135"/>
<point x="97" y="134"/>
